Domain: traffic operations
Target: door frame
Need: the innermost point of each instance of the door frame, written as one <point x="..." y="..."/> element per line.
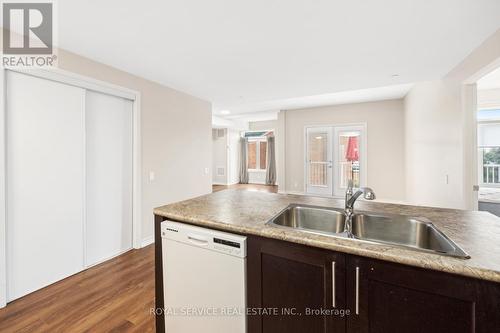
<point x="363" y="127"/>
<point x="70" y="78"/>
<point x="470" y="147"/>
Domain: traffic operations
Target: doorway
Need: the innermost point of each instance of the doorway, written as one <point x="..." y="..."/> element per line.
<point x="488" y="142"/>
<point x="334" y="155"/>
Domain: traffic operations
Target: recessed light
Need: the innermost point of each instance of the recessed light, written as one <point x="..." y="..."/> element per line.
<point x="395" y="75"/>
<point x="319" y="137"/>
<point x="225" y="112"/>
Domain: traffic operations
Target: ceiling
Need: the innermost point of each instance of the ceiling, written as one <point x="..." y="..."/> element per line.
<point x="247" y="55"/>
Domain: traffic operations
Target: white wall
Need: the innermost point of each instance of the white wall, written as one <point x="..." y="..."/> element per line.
<point x="176" y="137"/>
<point x="385" y="142"/>
<point x="440" y="132"/>
<point x="433" y="146"/>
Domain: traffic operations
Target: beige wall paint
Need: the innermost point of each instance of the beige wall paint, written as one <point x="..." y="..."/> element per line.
<point x="440" y="131"/>
<point x="433" y="150"/>
<point x="176" y="136"/>
<point x="385" y="141"/>
<point x="263" y="125"/>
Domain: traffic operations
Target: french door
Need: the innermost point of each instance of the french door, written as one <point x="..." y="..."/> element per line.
<point x="334" y="156"/>
<point x="319" y="160"/>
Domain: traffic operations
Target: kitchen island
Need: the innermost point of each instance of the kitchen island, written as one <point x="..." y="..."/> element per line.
<point x="467" y="280"/>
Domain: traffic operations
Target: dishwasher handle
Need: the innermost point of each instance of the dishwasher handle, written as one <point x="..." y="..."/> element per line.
<point x="197" y="240"/>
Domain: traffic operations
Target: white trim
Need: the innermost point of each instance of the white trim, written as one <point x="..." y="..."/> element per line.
<point x="147" y="241"/>
<point x="482" y="72"/>
<point x="77" y="80"/>
<point x="137" y="178"/>
<point x="84" y="180"/>
<point x="3" y="194"/>
<point x="88" y="83"/>
<point x="224" y="184"/>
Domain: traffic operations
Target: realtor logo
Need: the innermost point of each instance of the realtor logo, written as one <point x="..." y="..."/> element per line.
<point x="28" y="34"/>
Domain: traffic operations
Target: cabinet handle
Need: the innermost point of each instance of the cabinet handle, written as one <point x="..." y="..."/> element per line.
<point x="357" y="290"/>
<point x="333" y="283"/>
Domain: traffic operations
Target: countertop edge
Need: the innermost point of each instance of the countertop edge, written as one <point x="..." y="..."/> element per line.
<point x="329" y="244"/>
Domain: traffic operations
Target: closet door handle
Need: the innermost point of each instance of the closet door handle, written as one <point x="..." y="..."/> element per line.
<point x="357" y="290"/>
<point x="333" y="283"/>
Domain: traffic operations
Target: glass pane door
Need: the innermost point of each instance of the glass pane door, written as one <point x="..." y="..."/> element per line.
<point x="319" y="160"/>
<point x="349" y="149"/>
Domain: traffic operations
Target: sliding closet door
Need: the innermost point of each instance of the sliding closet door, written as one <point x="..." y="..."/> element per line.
<point x="109" y="158"/>
<point x="45" y="169"/>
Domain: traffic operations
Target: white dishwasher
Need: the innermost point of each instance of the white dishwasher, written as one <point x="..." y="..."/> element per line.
<point x="204" y="279"/>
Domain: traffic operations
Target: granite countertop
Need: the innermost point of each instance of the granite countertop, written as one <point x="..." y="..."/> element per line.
<point x="247" y="212"/>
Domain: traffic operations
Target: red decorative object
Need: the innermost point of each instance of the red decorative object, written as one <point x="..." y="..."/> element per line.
<point x="352" y="153"/>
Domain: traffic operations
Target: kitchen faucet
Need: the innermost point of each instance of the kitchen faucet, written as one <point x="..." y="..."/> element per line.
<point x="350" y="199"/>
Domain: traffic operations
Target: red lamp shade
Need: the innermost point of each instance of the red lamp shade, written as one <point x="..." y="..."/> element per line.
<point x="352" y="153"/>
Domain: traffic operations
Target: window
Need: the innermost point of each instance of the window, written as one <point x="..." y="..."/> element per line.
<point x="257" y="153"/>
<point x="262" y="154"/>
<point x="252" y="155"/>
<point x="490" y="166"/>
<point x="488" y="138"/>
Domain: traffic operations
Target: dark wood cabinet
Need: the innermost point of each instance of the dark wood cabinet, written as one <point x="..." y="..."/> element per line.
<point x="295" y="288"/>
<point x="291" y="288"/>
<point x="397" y="298"/>
<point x="381" y="297"/>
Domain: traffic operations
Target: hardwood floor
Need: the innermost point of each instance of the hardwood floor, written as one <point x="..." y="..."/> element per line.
<point x="115" y="296"/>
<point x="248" y="187"/>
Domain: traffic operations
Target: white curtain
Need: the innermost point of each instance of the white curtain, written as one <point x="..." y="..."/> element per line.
<point x="243" y="161"/>
<point x="270" y="162"/>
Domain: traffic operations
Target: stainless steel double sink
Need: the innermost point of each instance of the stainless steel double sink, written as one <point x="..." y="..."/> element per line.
<point x="409" y="232"/>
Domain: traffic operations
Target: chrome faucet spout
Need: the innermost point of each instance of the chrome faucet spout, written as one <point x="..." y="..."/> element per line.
<point x="350" y="199"/>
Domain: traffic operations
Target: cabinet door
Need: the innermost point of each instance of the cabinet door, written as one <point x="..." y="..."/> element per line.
<point x="386" y="297"/>
<point x="289" y="285"/>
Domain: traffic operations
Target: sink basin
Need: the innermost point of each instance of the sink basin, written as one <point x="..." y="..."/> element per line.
<point x="409" y="232"/>
<point x="312" y="219"/>
<point x="416" y="233"/>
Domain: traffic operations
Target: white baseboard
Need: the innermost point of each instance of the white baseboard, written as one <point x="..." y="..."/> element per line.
<point x="224" y="184"/>
<point x="147" y="241"/>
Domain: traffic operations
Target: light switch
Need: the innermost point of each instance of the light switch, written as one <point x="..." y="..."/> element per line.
<point x="207" y="171"/>
<point x="151" y="176"/>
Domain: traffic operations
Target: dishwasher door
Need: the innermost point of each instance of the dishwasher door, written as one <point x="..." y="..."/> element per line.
<point x="204" y="280"/>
